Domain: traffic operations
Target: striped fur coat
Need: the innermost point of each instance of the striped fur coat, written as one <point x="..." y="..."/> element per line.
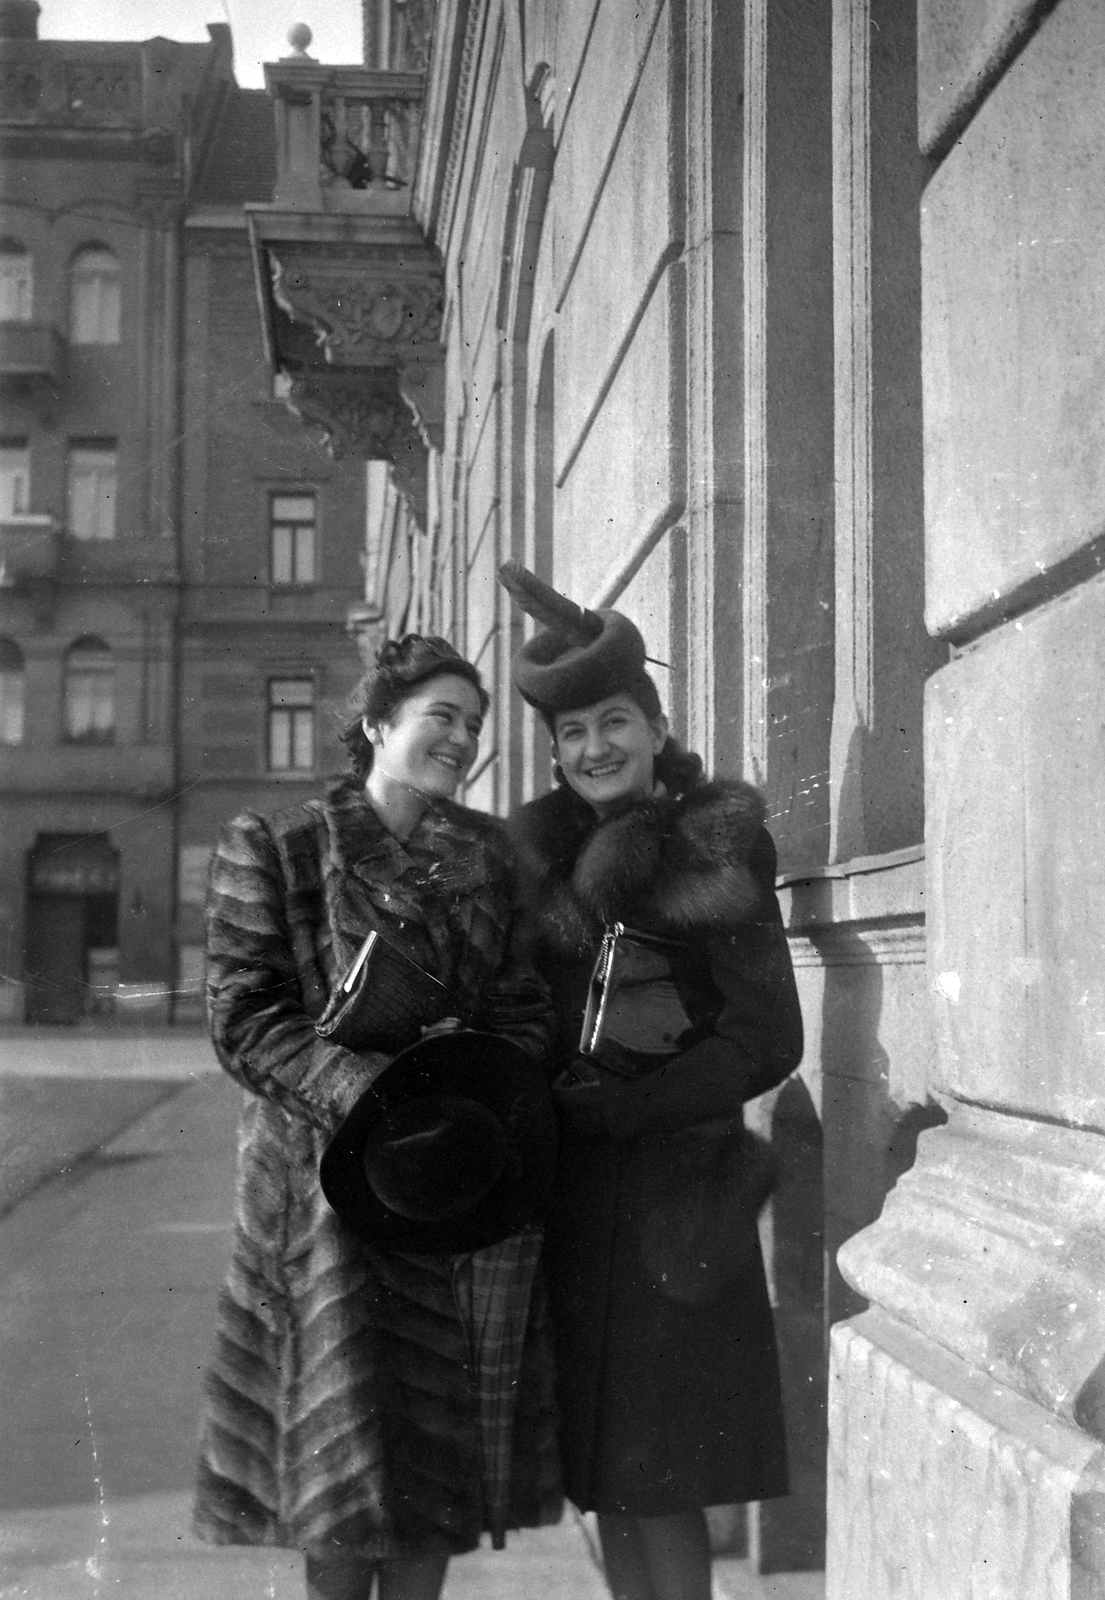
<point x="339" y="1408"/>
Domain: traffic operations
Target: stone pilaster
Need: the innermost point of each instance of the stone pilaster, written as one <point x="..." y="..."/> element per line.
<point x="967" y="1453"/>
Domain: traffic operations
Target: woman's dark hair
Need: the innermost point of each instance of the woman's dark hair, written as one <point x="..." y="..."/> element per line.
<point x="402" y="665"/>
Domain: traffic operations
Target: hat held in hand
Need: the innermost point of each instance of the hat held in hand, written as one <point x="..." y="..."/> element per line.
<point x="452" y="1148"/>
<point x="580" y="656"/>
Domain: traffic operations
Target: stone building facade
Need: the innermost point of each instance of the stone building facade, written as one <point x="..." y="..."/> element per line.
<point x="778" y="325"/>
<point x="144" y="470"/>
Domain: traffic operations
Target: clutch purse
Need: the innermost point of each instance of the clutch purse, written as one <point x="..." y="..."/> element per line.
<point x="384" y="1001"/>
<point x="646" y="1002"/>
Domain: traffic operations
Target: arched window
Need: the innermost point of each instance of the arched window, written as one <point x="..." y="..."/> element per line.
<point x="94" y="301"/>
<point x="89" y="692"/>
<point x="11" y="692"/>
<point x="16" y="282"/>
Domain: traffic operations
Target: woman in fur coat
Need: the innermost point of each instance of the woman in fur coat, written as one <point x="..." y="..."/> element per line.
<point x="666" y="1359"/>
<point x="345" y="1410"/>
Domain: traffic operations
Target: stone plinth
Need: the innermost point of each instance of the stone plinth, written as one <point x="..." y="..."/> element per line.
<point x="944" y="1485"/>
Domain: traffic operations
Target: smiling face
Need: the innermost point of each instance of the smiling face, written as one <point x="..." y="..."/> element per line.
<point x="607" y="751"/>
<point x="431" y="739"/>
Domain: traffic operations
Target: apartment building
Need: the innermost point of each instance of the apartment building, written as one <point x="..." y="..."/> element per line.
<point x="154" y="506"/>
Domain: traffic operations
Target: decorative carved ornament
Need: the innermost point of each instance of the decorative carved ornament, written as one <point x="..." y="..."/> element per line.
<point x="361" y="414"/>
<point x="21" y="88"/>
<point x="101" y="93"/>
<point x="59" y="92"/>
<point x="413" y="27"/>
<point x="356" y="416"/>
<point x="359" y="317"/>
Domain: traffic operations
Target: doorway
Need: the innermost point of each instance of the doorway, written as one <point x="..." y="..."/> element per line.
<point x="71" y="956"/>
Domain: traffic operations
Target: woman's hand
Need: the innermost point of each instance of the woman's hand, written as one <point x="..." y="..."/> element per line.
<point x="446" y="1025"/>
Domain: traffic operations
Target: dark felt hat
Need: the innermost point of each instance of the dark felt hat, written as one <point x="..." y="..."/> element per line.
<point x="580" y="656"/>
<point x="452" y="1148"/>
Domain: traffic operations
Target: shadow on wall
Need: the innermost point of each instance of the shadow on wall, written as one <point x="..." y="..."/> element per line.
<point x="870" y="1138"/>
<point x="789" y="1535"/>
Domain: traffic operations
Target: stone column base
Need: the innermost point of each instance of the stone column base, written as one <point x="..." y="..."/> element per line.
<point x="944" y="1485"/>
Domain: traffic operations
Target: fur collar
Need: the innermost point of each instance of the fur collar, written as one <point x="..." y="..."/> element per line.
<point x="677" y="863"/>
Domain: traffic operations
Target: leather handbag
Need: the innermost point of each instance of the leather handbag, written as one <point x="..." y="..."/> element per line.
<point x="648" y="1000"/>
<point x="384" y="1001"/>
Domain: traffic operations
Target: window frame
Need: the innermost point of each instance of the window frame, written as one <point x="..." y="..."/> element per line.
<point x="13" y="673"/>
<point x="92" y="645"/>
<point x="293" y="526"/>
<point x="109" y="310"/>
<point x="14" y="250"/>
<point x="13" y="447"/>
<point x="103" y="530"/>
<point x="297" y="717"/>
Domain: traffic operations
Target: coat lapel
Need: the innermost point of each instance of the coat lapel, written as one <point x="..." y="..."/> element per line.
<point x="420" y="892"/>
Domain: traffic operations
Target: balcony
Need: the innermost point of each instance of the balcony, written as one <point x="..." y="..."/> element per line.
<point x="29" y="549"/>
<point x="351" y="292"/>
<point x="30" y="352"/>
<point x="346" y="137"/>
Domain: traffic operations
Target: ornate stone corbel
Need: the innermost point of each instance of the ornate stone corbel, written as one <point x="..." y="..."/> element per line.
<point x="423" y="388"/>
<point x="363" y="414"/>
<point x="361" y="317"/>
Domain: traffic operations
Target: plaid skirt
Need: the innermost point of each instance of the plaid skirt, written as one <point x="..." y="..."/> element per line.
<point x="493" y="1289"/>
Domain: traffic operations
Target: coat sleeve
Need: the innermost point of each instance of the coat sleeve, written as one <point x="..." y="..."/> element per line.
<point x="516" y="1004"/>
<point x="261" y="1030"/>
<point x="757" y="1039"/>
<point x="516" y="1001"/>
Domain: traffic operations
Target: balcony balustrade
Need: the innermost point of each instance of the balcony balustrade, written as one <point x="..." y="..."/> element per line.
<point x="30" y="352"/>
<point x="346" y="137"/>
<point x="29" y="549"/>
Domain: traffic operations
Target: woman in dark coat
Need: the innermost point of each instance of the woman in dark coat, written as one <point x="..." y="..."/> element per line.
<point x="666" y="1359"/>
<point x="345" y="1414"/>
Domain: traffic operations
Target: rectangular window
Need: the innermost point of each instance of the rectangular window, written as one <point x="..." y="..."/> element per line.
<point x="16" y="283"/>
<point x="11" y="693"/>
<point x="291" y="725"/>
<point x="293" y="538"/>
<point x="91" y="489"/>
<point x="15" y="477"/>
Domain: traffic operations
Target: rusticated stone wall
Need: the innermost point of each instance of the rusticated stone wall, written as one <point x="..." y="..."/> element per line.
<point x="967" y="1433"/>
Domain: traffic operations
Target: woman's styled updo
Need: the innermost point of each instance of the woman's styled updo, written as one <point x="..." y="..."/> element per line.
<point x="402" y="665"/>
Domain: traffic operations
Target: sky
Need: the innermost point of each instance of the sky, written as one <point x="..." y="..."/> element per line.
<point x="259" y="27"/>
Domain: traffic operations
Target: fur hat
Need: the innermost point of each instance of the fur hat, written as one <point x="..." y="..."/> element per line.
<point x="580" y="656"/>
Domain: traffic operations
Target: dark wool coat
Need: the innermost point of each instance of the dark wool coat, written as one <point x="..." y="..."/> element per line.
<point x="339" y="1409"/>
<point x="666" y="1359"/>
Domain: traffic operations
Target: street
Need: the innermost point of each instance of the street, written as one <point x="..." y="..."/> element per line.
<point x="118" y="1165"/>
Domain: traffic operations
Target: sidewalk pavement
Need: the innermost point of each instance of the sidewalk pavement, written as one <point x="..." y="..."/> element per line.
<point x="141" y="1549"/>
<point x="179" y="1054"/>
<point x="108" y="1276"/>
<point x="66" y="1092"/>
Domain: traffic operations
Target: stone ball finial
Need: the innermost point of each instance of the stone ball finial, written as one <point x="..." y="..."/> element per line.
<point x="299" y="37"/>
